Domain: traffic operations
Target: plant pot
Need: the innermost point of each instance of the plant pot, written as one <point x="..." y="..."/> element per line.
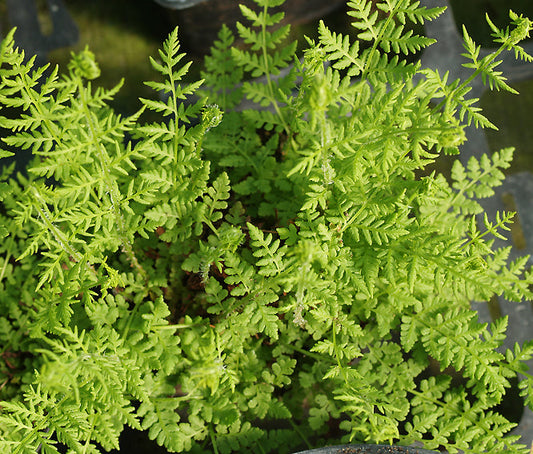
<point x="200" y="23"/>
<point x="368" y="449"/>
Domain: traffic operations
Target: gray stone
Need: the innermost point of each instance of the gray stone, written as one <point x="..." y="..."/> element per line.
<point x="23" y="15"/>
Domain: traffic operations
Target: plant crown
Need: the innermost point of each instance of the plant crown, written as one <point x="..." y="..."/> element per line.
<point x="257" y="279"/>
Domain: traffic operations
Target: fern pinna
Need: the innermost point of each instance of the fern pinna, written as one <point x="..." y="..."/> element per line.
<point x="257" y="279"/>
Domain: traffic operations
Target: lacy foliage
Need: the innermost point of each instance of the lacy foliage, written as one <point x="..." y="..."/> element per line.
<point x="234" y="278"/>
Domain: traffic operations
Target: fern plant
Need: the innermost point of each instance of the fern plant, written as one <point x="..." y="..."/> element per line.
<point x="256" y="279"/>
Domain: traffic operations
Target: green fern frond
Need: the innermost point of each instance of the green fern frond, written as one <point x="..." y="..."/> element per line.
<point x="480" y="177"/>
<point x="405" y="43"/>
<point x="269" y="252"/>
<point x="203" y="274"/>
<point x="222" y="76"/>
<point x="412" y="11"/>
<point x="267" y="56"/>
<point x="339" y="49"/>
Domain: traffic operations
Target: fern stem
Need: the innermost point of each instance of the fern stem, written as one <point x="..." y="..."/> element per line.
<point x="211" y="225"/>
<point x="336" y="350"/>
<point x="268" y="72"/>
<point x="368" y="60"/>
<point x="307" y="353"/>
<point x="483" y="67"/>
<point x="301" y="434"/>
<point x="45" y="215"/>
<point x="6" y="260"/>
<point x="170" y="72"/>
<point x="325" y="139"/>
<point x="38" y="106"/>
<point x="473" y="76"/>
<point x="89" y="435"/>
<point x="213" y="439"/>
<point x="112" y="191"/>
<point x="348" y="220"/>
<point x="127" y="248"/>
<point x="188" y="396"/>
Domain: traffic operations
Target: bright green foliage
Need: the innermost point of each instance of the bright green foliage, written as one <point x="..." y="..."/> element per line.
<point x="256" y="279"/>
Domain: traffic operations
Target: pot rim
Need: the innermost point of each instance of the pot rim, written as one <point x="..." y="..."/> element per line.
<point x="369" y="449"/>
